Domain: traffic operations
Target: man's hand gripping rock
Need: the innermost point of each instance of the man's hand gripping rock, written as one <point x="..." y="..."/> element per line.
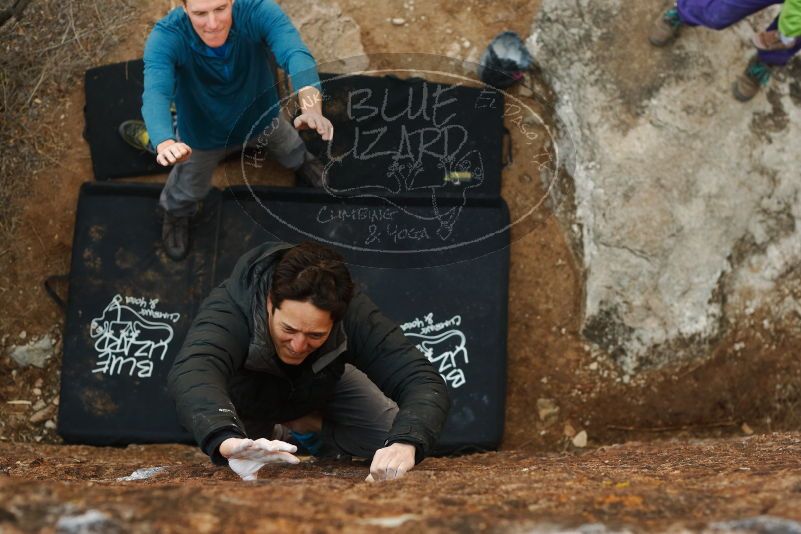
<point x="391" y="462"/>
<point x="246" y="456"/>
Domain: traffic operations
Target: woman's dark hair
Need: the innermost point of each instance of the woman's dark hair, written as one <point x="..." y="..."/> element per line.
<point x="310" y="272"/>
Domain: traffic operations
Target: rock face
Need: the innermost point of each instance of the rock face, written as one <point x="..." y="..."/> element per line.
<point x="687" y="202"/>
<point x="334" y="39"/>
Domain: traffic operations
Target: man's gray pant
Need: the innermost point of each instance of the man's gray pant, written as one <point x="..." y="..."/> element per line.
<point x="357" y="417"/>
<point x="357" y="420"/>
<point x="189" y="182"/>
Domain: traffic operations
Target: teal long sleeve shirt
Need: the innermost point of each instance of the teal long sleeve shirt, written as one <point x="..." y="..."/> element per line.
<point x="221" y="100"/>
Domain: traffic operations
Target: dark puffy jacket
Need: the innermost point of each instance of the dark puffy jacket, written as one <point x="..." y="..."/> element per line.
<point x="229" y="344"/>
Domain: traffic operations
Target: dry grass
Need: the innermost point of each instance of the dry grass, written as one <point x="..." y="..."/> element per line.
<point x="43" y="54"/>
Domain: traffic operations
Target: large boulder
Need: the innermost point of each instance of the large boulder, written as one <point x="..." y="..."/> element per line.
<point x="688" y="202"/>
<point x="334" y="38"/>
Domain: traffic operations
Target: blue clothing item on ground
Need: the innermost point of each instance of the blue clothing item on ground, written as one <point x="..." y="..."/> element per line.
<point x="719" y="14"/>
<point x="221" y="99"/>
<point x="310" y="441"/>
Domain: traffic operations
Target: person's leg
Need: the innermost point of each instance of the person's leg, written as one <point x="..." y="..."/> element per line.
<point x="188" y="183"/>
<point x="758" y="71"/>
<point x="719" y="14"/>
<point x="778" y="58"/>
<point x="358" y="418"/>
<point x="665" y="28"/>
<point x="282" y="142"/>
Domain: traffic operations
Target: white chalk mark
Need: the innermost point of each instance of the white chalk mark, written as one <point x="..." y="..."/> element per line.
<point x="390" y="522"/>
<point x="142" y="474"/>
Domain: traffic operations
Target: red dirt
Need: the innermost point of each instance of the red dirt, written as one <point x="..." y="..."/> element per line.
<point x="642" y="486"/>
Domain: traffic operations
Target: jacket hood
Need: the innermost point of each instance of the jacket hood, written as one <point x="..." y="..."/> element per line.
<point x="249" y="286"/>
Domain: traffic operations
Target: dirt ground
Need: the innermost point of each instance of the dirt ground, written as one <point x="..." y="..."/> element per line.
<point x="749" y="381"/>
<point x="676" y="486"/>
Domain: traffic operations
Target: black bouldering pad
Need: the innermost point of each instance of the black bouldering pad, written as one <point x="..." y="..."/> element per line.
<point x="114" y="95"/>
<point x="450" y="300"/>
<point x="129" y="306"/>
<point x="394" y="136"/>
<point x="128" y="310"/>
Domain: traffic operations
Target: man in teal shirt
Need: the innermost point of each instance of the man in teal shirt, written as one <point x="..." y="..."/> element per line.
<point x="210" y="57"/>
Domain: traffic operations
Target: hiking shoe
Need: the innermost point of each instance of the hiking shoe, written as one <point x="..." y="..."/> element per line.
<point x="310" y="173"/>
<point x="175" y="236"/>
<point x="756" y="75"/>
<point x="665" y="28"/>
<point x="771" y="40"/>
<point x="135" y="134"/>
